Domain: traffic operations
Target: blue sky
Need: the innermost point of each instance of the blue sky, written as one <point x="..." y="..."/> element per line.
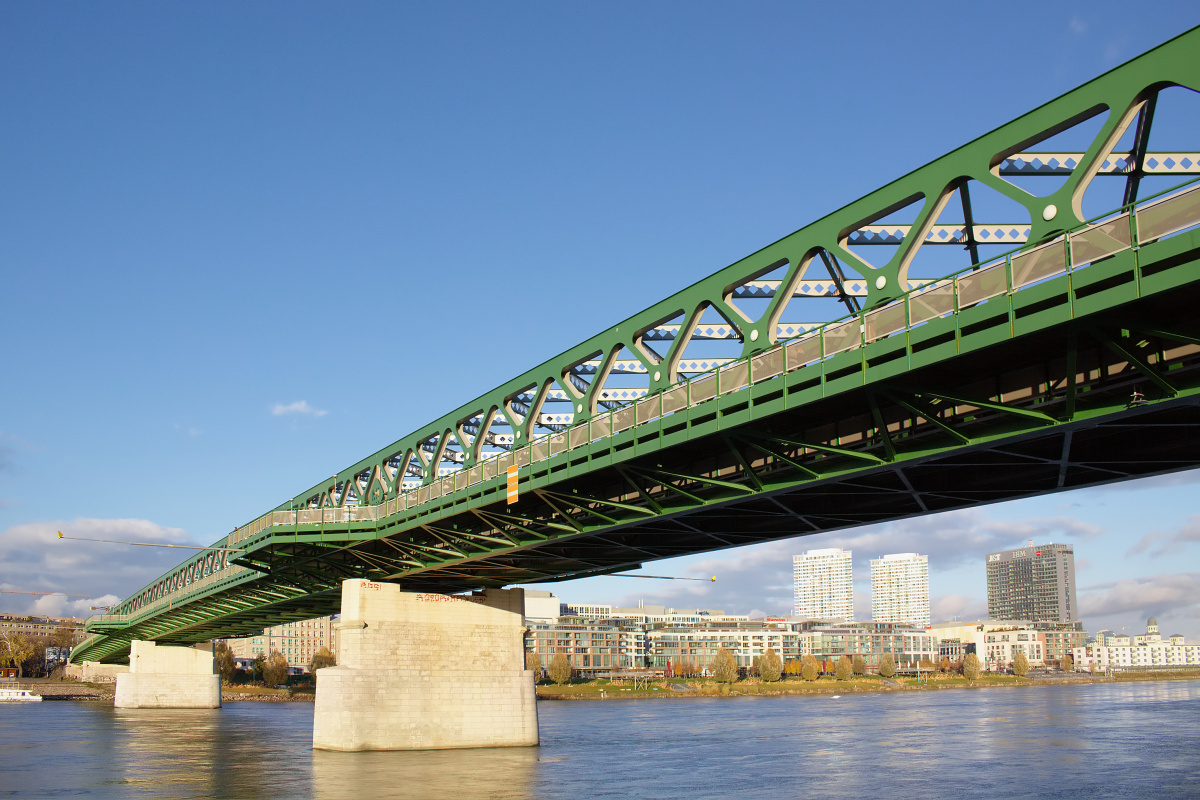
<point x="247" y="244"/>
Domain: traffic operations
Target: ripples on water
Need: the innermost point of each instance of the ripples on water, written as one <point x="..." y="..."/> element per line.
<point x="1053" y="741"/>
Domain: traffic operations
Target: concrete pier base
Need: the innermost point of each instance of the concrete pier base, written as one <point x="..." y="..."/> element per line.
<point x="168" y="677"/>
<point x="426" y="672"/>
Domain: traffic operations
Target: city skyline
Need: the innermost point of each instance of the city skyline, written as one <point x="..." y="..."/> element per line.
<point x="241" y="257"/>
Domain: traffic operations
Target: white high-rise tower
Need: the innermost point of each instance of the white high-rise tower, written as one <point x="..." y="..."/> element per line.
<point x="824" y="584"/>
<point x="900" y="589"/>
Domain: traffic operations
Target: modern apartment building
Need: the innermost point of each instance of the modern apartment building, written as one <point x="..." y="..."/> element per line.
<point x="900" y="589"/>
<point x="591" y="645"/>
<point x="669" y="646"/>
<point x="1035" y="583"/>
<point x="869" y="640"/>
<point x="824" y="584"/>
<point x="298" y="641"/>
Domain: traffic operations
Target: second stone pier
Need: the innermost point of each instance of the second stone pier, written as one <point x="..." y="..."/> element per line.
<point x="426" y="672"/>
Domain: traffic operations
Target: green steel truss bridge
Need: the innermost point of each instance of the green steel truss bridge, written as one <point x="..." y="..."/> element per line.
<point x="1015" y="318"/>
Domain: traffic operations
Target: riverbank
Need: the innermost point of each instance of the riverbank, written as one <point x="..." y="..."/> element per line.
<point x="678" y="688"/>
<point x="601" y="689"/>
<point x="53" y="689"/>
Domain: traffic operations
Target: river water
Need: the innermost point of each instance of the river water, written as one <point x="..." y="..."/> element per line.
<point x="1094" y="740"/>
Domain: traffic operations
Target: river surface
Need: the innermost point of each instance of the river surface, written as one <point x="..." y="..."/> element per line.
<point x="1095" y="740"/>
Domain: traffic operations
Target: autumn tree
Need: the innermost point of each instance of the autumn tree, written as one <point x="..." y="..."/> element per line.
<point x="945" y="665"/>
<point x="771" y="666"/>
<point x="16" y="649"/>
<point x="845" y="669"/>
<point x="560" y="668"/>
<point x="724" y="667"/>
<point x="64" y="636"/>
<point x="224" y="658"/>
<point x="971" y="667"/>
<point x="257" y="666"/>
<point x="275" y="670"/>
<point x="887" y="665"/>
<point x="1020" y="665"/>
<point x="808" y="667"/>
<point x="533" y="661"/>
<point x="756" y="666"/>
<point x="321" y="659"/>
<point x="860" y="666"/>
<point x="1067" y="663"/>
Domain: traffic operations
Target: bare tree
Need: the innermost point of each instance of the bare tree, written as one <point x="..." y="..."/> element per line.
<point x="224" y="659"/>
<point x="808" y="667"/>
<point x="1020" y="666"/>
<point x="560" y="668"/>
<point x="724" y="667"/>
<point x="770" y="667"/>
<point x="971" y="667"/>
<point x="275" y="670"/>
<point x="887" y="665"/>
<point x="321" y="659"/>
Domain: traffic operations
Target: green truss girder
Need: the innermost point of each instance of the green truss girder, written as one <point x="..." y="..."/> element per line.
<point x="656" y="491"/>
<point x="1122" y="92"/>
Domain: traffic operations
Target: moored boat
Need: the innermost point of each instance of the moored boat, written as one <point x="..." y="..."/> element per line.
<point x="18" y="696"/>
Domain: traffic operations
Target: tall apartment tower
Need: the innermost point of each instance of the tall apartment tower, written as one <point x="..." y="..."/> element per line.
<point x="900" y="589"/>
<point x="1036" y="583"/>
<point x="824" y="584"/>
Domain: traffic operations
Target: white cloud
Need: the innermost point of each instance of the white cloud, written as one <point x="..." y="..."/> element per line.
<point x="1077" y="25"/>
<point x="298" y="407"/>
<point x="35" y="559"/>
<point x="1164" y="543"/>
<point x="1150" y="595"/>
<point x="960" y="606"/>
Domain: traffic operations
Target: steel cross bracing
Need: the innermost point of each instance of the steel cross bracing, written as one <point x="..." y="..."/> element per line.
<point x="1070" y="360"/>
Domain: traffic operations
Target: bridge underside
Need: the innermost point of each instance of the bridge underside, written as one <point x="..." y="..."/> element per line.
<point x="1106" y="397"/>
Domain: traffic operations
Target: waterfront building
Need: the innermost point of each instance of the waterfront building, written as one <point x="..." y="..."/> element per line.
<point x="668" y="645"/>
<point x="1056" y="639"/>
<point x="298" y="641"/>
<point x="870" y="640"/>
<point x="900" y="589"/>
<point x="592" y="646"/>
<point x="953" y="649"/>
<point x="1000" y="647"/>
<point x="824" y="584"/>
<point x="1035" y="583"/>
<point x="1061" y="640"/>
<point x="1144" y="651"/>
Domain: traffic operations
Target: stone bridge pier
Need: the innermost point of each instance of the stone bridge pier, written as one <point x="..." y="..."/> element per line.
<point x="426" y="672"/>
<point x="168" y="677"/>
